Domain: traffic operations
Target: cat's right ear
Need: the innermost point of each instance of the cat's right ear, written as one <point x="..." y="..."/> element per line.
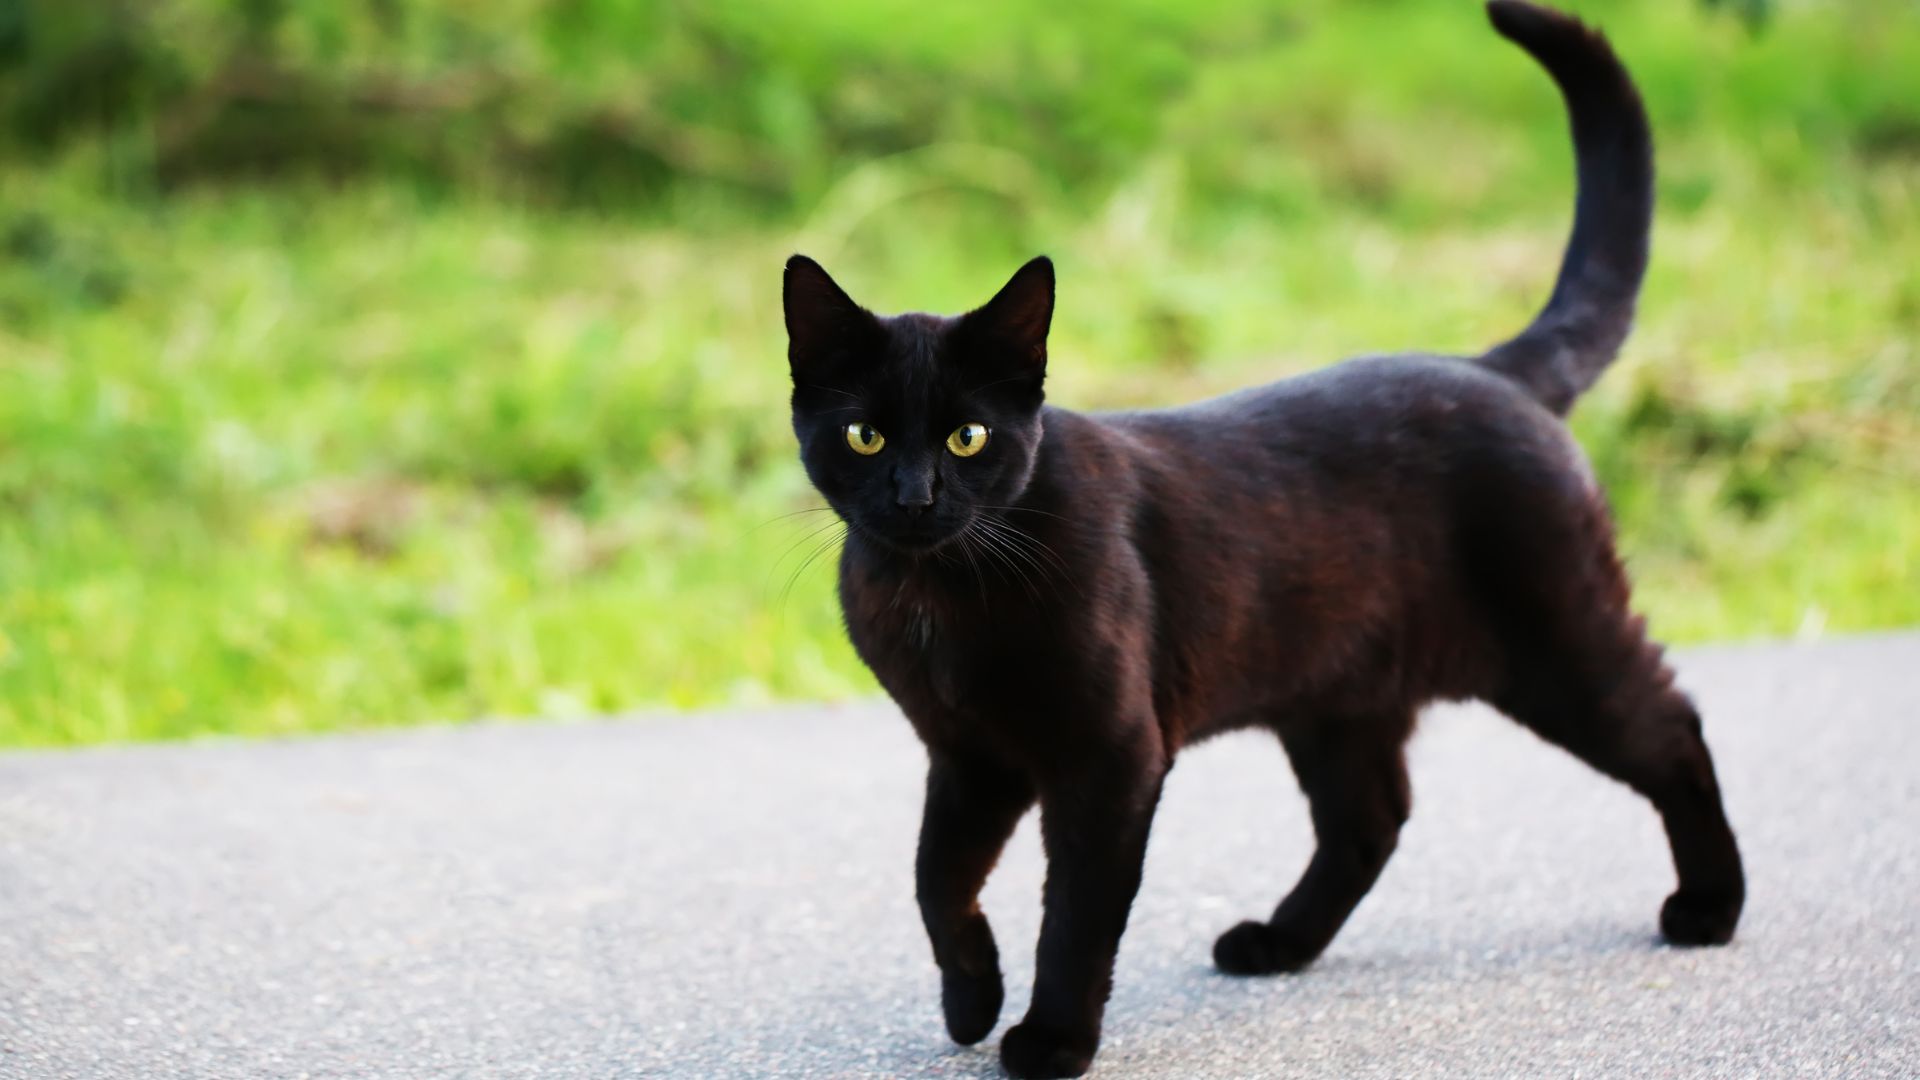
<point x="823" y="322"/>
<point x="1016" y="320"/>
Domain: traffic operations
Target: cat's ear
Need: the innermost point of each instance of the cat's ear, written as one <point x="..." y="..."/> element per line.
<point x="1017" y="318"/>
<point x="823" y="322"/>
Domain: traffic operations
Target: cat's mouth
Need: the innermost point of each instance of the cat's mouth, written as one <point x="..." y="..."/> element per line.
<point x="916" y="535"/>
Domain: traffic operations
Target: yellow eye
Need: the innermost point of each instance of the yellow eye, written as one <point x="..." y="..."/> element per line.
<point x="864" y="439"/>
<point x="967" y="439"/>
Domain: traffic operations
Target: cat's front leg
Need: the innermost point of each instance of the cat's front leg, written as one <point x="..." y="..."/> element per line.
<point x="1094" y="821"/>
<point x="972" y="807"/>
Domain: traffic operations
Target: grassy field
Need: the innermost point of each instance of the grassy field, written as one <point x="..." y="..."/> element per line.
<point x="303" y="450"/>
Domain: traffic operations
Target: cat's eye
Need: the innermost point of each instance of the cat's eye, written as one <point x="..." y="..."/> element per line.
<point x="967" y="439"/>
<point x="864" y="439"/>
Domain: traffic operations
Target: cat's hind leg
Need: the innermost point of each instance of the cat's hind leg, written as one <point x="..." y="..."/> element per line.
<point x="1606" y="696"/>
<point x="1355" y="778"/>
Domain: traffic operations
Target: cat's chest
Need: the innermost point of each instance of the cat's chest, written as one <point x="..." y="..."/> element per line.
<point x="937" y="653"/>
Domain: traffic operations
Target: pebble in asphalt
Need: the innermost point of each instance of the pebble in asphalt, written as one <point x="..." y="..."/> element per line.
<point x="730" y="895"/>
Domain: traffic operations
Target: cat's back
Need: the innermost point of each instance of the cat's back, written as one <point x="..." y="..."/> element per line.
<point x="1398" y="411"/>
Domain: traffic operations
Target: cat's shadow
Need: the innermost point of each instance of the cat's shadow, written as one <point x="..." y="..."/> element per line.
<point x="1500" y="951"/>
<point x="1163" y="1016"/>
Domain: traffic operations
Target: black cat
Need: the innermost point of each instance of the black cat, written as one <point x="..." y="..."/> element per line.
<point x="1061" y="602"/>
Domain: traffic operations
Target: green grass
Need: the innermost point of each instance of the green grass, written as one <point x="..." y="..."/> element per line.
<point x="301" y="454"/>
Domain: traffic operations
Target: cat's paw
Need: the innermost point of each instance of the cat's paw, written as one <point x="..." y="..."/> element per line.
<point x="1254" y="948"/>
<point x="970" y="988"/>
<point x="1032" y="1051"/>
<point x="971" y="1003"/>
<point x="1699" y="918"/>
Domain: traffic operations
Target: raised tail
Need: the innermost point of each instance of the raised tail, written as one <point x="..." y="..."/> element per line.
<point x="1574" y="338"/>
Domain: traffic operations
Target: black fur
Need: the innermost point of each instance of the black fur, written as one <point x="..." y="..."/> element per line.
<point x="1063" y="611"/>
<point x="1586" y="319"/>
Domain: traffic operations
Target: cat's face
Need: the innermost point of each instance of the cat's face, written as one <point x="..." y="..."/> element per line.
<point x="913" y="425"/>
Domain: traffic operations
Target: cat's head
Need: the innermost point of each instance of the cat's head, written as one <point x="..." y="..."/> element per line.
<point x="912" y="425"/>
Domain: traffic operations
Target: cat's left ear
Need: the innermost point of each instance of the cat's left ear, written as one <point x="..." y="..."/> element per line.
<point x="1016" y="320"/>
<point x="824" y="326"/>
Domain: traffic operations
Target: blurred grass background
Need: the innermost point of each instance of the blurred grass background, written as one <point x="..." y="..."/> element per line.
<point x="399" y="360"/>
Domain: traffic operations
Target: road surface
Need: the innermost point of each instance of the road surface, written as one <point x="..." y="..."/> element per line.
<point x="729" y="895"/>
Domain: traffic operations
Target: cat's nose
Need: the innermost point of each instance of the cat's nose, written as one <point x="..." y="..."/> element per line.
<point x="913" y="493"/>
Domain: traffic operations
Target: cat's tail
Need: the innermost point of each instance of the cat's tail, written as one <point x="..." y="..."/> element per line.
<point x="1577" y="334"/>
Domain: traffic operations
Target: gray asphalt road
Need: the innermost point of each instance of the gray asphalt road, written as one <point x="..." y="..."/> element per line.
<point x="729" y="896"/>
